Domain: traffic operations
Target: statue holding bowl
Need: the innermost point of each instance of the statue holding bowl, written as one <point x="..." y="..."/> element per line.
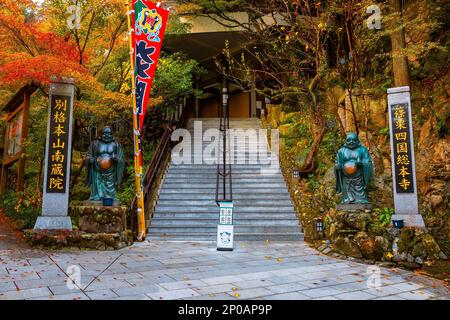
<point x="353" y="170"/>
<point x="105" y="165"/>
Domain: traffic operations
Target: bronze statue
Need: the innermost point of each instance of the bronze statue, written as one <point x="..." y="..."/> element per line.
<point x="105" y="165"/>
<point x="353" y="170"/>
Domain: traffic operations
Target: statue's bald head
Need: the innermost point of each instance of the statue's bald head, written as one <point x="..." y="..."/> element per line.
<point x="107" y="134"/>
<point x="352" y="140"/>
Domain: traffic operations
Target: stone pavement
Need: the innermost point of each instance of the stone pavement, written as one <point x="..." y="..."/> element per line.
<point x="196" y="270"/>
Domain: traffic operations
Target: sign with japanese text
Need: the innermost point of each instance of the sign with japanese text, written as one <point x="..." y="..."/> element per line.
<point x="58" y="145"/>
<point x="225" y="228"/>
<point x="14" y="135"/>
<point x="226" y="213"/>
<point x="402" y="148"/>
<point x="149" y="24"/>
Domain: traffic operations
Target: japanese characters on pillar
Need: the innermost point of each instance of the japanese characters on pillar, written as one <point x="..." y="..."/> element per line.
<point x="58" y="144"/>
<point x="403" y="163"/>
<point x="58" y="152"/>
<point x="402" y="149"/>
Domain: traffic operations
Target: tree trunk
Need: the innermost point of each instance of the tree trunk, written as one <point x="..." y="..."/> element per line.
<point x="399" y="60"/>
<point x="319" y="130"/>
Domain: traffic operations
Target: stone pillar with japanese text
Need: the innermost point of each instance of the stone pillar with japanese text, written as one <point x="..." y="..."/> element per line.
<point x="403" y="161"/>
<point x="55" y="200"/>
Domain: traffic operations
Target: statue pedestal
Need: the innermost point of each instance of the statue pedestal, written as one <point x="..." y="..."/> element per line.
<point x="100" y="219"/>
<point x="99" y="228"/>
<point x="99" y="203"/>
<point x="354" y="206"/>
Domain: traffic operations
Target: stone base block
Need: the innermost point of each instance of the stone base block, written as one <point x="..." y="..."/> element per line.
<point x="63" y="239"/>
<point x="95" y="219"/>
<point x="99" y="203"/>
<point x="410" y="220"/>
<point x="353" y="206"/>
<point x="53" y="223"/>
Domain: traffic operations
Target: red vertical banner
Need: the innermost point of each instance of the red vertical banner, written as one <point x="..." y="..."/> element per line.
<point x="148" y="24"/>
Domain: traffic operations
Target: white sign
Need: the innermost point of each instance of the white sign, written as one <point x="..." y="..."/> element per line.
<point x="225" y="229"/>
<point x="226" y="213"/>
<point x="225" y="235"/>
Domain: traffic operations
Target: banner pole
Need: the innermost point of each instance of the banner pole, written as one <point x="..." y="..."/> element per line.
<point x="136" y="138"/>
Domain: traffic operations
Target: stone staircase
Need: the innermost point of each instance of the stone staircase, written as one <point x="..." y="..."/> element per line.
<point x="186" y="208"/>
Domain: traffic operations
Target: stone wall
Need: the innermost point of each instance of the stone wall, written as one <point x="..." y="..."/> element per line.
<point x="360" y="235"/>
<point x="95" y="227"/>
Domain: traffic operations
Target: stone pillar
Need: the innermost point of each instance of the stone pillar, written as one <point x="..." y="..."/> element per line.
<point x="55" y="201"/>
<point x="403" y="162"/>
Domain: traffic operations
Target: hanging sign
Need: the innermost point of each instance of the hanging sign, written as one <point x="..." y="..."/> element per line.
<point x="149" y="24"/>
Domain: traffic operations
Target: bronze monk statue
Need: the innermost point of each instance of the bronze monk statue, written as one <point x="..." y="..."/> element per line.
<point x="353" y="170"/>
<point x="105" y="165"/>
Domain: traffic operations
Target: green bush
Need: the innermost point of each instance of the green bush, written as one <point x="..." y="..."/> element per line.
<point x="22" y="207"/>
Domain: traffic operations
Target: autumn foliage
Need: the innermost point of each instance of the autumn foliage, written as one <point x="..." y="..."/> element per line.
<point x="30" y="54"/>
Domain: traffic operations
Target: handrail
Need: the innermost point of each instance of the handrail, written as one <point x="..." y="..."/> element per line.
<point x="155" y="167"/>
<point x="224" y="171"/>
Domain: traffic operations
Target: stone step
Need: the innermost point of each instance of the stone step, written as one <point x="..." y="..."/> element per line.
<point x="194" y="209"/>
<point x="212" y="167"/>
<point x="236" y="180"/>
<point x="211" y="196"/>
<point x="212" y="237"/>
<point x="215" y="215"/>
<point x="238" y="177"/>
<point x="238" y="204"/>
<point x="213" y="229"/>
<point x="235" y="183"/>
<point x="186" y="208"/>
<point x="262" y="191"/>
<point x="184" y="223"/>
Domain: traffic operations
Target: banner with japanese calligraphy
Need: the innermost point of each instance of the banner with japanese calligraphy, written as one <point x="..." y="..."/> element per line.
<point x="404" y="182"/>
<point x="58" y="144"/>
<point x="148" y="24"/>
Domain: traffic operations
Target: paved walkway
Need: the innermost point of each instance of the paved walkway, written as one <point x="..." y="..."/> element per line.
<point x="195" y="270"/>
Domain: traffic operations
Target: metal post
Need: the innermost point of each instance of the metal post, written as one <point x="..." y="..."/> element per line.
<point x="136" y="136"/>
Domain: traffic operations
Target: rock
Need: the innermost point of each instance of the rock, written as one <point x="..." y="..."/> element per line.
<point x="382" y="242"/>
<point x="332" y="230"/>
<point x="419" y="260"/>
<point x="361" y="236"/>
<point x="425" y="133"/>
<point x="326" y="251"/>
<point x="409" y="265"/>
<point x="322" y="247"/>
<point x="440" y="151"/>
<point x="419" y="250"/>
<point x="430" y="245"/>
<point x="442" y="256"/>
<point x="347" y="247"/>
<point x="409" y="257"/>
<point x="399" y="257"/>
<point x="371" y="250"/>
<point x="436" y="200"/>
<point x="273" y="124"/>
<point x="282" y="117"/>
<point x="395" y="246"/>
<point x="407" y="240"/>
<point x="288" y="130"/>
